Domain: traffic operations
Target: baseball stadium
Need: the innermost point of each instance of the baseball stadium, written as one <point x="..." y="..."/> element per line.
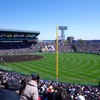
<point x="65" y="60"/>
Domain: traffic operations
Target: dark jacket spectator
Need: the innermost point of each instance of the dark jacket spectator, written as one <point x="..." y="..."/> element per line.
<point x="12" y="85"/>
<point x="8" y="95"/>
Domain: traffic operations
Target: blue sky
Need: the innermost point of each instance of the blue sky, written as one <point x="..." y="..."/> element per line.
<point x="81" y="16"/>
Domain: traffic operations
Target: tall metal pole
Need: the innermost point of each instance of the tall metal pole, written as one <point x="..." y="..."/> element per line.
<point x="56" y="54"/>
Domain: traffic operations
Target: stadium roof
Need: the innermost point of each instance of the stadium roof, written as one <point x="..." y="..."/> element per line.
<point x="19" y="31"/>
<point x="18" y="35"/>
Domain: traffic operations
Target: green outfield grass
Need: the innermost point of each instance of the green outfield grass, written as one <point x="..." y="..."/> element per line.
<point x="73" y="67"/>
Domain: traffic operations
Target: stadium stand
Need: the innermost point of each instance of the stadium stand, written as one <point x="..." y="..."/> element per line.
<point x="26" y="48"/>
<point x="88" y="46"/>
<point x="18" y="43"/>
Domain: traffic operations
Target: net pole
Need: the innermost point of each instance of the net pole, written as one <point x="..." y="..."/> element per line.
<point x="56" y="54"/>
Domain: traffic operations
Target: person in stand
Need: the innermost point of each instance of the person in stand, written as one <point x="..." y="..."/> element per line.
<point x="1" y="59"/>
<point x="8" y="95"/>
<point x="30" y="91"/>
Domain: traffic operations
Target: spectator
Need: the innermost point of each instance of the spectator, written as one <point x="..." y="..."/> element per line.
<point x="80" y="97"/>
<point x="31" y="89"/>
<point x="13" y="85"/>
<point x="8" y="95"/>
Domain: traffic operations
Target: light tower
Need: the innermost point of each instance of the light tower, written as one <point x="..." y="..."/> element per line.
<point x="62" y="28"/>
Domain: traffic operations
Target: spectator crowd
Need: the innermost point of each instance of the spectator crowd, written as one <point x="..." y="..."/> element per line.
<point x="88" y="46"/>
<point x="17" y="48"/>
<point x="44" y="89"/>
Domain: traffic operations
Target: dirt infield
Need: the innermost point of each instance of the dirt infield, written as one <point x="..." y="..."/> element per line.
<point x="19" y="58"/>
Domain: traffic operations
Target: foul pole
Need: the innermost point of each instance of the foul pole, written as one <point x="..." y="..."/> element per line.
<point x="56" y="54"/>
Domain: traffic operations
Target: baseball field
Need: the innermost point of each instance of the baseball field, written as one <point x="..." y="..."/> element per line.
<point x="72" y="67"/>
